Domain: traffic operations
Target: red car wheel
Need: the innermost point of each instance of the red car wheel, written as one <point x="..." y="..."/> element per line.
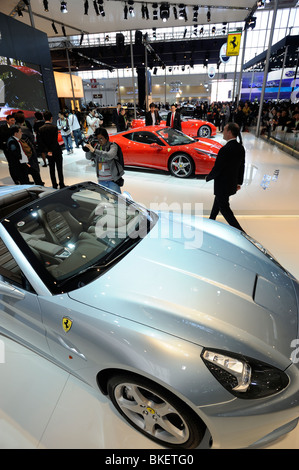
<point x="181" y="165"/>
<point x="204" y="131"/>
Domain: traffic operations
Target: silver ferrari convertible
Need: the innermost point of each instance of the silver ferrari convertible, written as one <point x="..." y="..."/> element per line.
<point x="189" y="341"/>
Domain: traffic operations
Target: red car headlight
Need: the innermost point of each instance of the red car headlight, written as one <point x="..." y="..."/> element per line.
<point x="206" y="152"/>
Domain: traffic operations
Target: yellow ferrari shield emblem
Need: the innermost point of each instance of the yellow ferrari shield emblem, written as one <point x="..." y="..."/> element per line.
<point x="233" y="44"/>
<point x="66" y="324"/>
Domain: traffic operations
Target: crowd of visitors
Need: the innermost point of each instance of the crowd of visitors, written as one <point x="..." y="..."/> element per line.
<point x="23" y="143"/>
<point x="284" y="114"/>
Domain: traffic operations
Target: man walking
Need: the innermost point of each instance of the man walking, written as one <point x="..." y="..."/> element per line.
<point x="228" y="174"/>
<point x="49" y="142"/>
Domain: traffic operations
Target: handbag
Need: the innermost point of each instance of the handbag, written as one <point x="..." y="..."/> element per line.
<point x="26" y="147"/>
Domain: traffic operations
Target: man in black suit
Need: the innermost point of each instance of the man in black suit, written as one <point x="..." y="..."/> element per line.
<point x="228" y="174"/>
<point x="152" y="117"/>
<point x="48" y="134"/>
<point x="115" y="116"/>
<point x="174" y="118"/>
<point x="19" y="155"/>
<point x="5" y="133"/>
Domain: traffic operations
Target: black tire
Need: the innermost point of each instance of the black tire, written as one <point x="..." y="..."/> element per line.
<point x="155" y="412"/>
<point x="181" y="165"/>
<point x="204" y="131"/>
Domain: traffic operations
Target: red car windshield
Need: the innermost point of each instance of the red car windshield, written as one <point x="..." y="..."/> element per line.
<point x="174" y="137"/>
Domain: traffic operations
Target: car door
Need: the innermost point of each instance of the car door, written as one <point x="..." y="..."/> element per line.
<point x="149" y="150"/>
<point x="20" y="314"/>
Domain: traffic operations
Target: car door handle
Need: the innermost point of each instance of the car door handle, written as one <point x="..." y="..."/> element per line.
<point x="11" y="291"/>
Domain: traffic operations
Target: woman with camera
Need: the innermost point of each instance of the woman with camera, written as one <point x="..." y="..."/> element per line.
<point x="66" y="133"/>
<point x="105" y="155"/>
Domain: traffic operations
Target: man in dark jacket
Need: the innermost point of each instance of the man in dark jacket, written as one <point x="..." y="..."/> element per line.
<point x="19" y="160"/>
<point x="228" y="174"/>
<point x="48" y="134"/>
<point x="174" y="118"/>
<point x="152" y="117"/>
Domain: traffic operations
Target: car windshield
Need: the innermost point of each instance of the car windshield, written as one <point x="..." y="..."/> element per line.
<point x="174" y="137"/>
<point x="73" y="235"/>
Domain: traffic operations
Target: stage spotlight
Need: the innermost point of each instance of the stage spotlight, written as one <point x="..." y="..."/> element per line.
<point x="164" y="12"/>
<point x="201" y="30"/>
<point x="182" y="12"/>
<point x="209" y="15"/>
<point x="155" y="71"/>
<point x="126" y="12"/>
<point x="101" y="8"/>
<point x="195" y="14"/>
<point x="54" y="28"/>
<point x="63" y="7"/>
<point x="155" y="11"/>
<point x="81" y="38"/>
<point x="154" y="33"/>
<point x="95" y="5"/>
<point x="214" y="30"/>
<point x="144" y="11"/>
<point x="86" y="7"/>
<point x="131" y="8"/>
<point x="175" y="13"/>
<point x="251" y="22"/>
<point x="46" y="6"/>
<point x="63" y="30"/>
<point x="19" y="11"/>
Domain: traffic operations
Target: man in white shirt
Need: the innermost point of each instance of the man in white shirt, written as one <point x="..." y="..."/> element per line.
<point x="75" y="128"/>
<point x="152" y="117"/>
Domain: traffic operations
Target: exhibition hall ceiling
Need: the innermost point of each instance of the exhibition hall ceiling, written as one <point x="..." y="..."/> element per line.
<point x="76" y="19"/>
<point x="71" y="48"/>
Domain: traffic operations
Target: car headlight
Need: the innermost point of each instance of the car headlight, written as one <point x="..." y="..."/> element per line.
<point x="242" y="376"/>
<point x="210" y="154"/>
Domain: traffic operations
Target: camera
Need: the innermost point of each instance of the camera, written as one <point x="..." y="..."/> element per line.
<point x="88" y="140"/>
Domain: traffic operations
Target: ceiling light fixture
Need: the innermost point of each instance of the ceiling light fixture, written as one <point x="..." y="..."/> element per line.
<point x="126" y="12"/>
<point x="95" y="5"/>
<point x="54" y="28"/>
<point x="209" y="15"/>
<point x="164" y="12"/>
<point x="155" y="11"/>
<point x="63" y="30"/>
<point x="195" y="14"/>
<point x="101" y="8"/>
<point x="46" y="6"/>
<point x="63" y="7"/>
<point x="86" y="7"/>
<point x="182" y="12"/>
<point x="131" y="8"/>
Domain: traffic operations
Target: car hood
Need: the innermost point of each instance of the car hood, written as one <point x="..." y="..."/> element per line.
<point x="206" y="283"/>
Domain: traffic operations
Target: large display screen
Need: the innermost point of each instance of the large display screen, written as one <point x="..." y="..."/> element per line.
<point x="277" y="80"/>
<point x="21" y="88"/>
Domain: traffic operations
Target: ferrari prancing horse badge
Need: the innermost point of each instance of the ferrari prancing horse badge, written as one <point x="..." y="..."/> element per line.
<point x="66" y="324"/>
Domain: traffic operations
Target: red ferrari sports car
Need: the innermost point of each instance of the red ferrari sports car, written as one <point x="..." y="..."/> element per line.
<point x="192" y="127"/>
<point x="167" y="149"/>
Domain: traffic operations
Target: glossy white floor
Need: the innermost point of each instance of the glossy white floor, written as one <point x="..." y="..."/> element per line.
<point x="42" y="406"/>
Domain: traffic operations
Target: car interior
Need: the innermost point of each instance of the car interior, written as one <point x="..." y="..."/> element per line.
<point x="63" y="244"/>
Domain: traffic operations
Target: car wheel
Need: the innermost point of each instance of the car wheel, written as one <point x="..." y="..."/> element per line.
<point x="204" y="131"/>
<point x="155" y="412"/>
<point x="181" y="165"/>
